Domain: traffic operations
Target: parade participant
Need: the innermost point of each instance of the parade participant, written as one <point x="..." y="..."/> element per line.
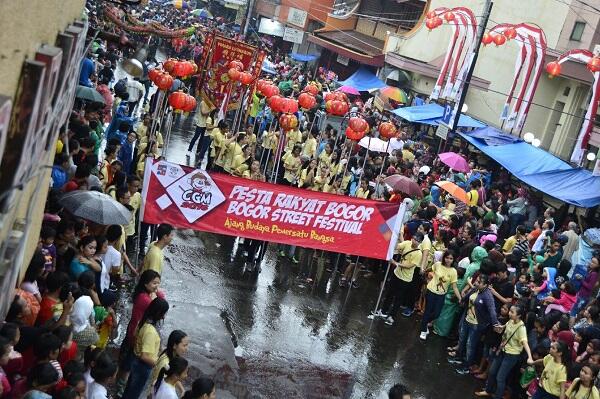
<point x="553" y="379"/>
<point x="291" y="165"/>
<point x="308" y="173"/>
<point x="218" y="136"/>
<point x="200" y="121"/>
<point x="177" y="346"/>
<point x="309" y="148"/>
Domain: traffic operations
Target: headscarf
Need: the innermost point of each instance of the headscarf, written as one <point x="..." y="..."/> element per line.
<point x="550" y="283"/>
<point x="477" y="255"/>
<point x="83" y="308"/>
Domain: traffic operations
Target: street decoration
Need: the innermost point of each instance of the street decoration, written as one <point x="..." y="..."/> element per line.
<point x="131" y="24"/>
<point x="387" y="130"/>
<point x="593" y="64"/>
<point x="217" y="203"/>
<point x="460" y="48"/>
<point x="529" y="66"/>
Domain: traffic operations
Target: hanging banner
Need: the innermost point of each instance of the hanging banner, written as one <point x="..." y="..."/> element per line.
<point x="217" y="203"/>
<point x="216" y="82"/>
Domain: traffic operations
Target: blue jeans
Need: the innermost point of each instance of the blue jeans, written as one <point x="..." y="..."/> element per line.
<point x="433" y="307"/>
<point x="469" y="337"/>
<point x="542" y="394"/>
<point x="198" y="134"/>
<point x="203" y="146"/>
<point x="499" y="372"/>
<point x="138" y="378"/>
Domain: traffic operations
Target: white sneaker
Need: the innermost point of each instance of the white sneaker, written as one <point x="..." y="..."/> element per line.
<point x="188" y="154"/>
<point x="389" y="321"/>
<point x="423" y="335"/>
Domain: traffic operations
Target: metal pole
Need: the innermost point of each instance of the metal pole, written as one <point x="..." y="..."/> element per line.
<point x="364" y="164"/>
<point x="382" y="165"/>
<point x="387" y="271"/>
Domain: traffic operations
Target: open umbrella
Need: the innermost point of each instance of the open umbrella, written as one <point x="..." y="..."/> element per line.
<point x="394" y="93"/>
<point x="374" y="144"/>
<point x="403" y="184"/>
<point x="455" y="161"/>
<point x="89" y="94"/>
<point x="453" y="190"/>
<point x="349" y="90"/>
<point x="96" y="207"/>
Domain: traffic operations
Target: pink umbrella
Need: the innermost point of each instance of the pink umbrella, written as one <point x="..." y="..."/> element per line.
<point x="455" y="161"/>
<point x="349" y="90"/>
<point x="403" y="184"/>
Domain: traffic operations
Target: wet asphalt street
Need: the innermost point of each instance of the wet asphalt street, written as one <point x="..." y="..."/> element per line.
<point x="293" y="338"/>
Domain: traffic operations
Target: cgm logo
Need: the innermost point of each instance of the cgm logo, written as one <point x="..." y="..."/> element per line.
<point x="199" y="195"/>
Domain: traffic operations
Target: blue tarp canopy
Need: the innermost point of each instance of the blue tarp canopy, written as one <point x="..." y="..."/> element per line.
<point x="538" y="168"/>
<point x="303" y="57"/>
<point x="363" y="80"/>
<point x="430" y="114"/>
<point x="269" y="67"/>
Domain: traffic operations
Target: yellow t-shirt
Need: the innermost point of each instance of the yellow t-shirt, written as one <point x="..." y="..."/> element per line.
<point x="319" y="182"/>
<point x="412" y="257"/>
<point x="509" y="244"/>
<point x="582" y="392"/>
<point x="473" y="197"/>
<point x="292" y="165"/>
<point x="360" y="193"/>
<point x="270" y="141"/>
<point x="293" y="137"/>
<point x="309" y="149"/>
<point x="135" y="202"/>
<point x="324" y="159"/>
<point x="553" y="376"/>
<point x="154" y="259"/>
<point x="408" y="156"/>
<point x="233" y="150"/>
<point x="517" y="333"/>
<point x="147" y="341"/>
<point x="217" y="141"/>
<point x="426" y="246"/>
<point x="238" y="165"/>
<point x="471" y="317"/>
<point x="163" y="361"/>
<point x="443" y="278"/>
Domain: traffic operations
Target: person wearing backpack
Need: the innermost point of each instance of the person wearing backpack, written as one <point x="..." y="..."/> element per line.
<point x="514" y="340"/>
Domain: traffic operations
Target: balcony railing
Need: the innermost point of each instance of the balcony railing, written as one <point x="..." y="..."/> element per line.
<point x="343" y="7"/>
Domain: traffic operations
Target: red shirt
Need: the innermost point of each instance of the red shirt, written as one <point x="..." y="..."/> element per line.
<point x="139" y="307"/>
<point x="46" y="312"/>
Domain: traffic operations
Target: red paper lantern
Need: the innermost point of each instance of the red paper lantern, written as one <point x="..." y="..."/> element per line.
<point x="355" y="136"/>
<point x="510" y="33"/>
<point x="487" y="39"/>
<point x="178" y="99"/>
<point x="449" y="16"/>
<point x="236" y="64"/>
<point x="179" y="69"/>
<point x="246" y="78"/>
<point x="312" y="89"/>
<point x="430" y="14"/>
<point x="339" y="108"/>
<point x="499" y="40"/>
<point x="190" y="104"/>
<point x="387" y="130"/>
<point x="275" y="102"/>
<point x="153" y="74"/>
<point x="553" y="68"/>
<point x="164" y="81"/>
<point x="169" y="64"/>
<point x="328" y="105"/>
<point x="594" y="64"/>
<point x="288" y="122"/>
<point x="358" y="124"/>
<point x="289" y="105"/>
<point x="234" y="74"/>
<point x="329" y="96"/>
<point x="430" y="24"/>
<point x="306" y="100"/>
<point x="437" y="21"/>
<point x="270" y="90"/>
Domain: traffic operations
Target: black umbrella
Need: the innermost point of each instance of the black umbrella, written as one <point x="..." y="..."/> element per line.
<point x="89" y="94"/>
<point x="96" y="207"/>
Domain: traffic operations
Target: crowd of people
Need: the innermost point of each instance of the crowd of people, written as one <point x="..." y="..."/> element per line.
<point x="489" y="274"/>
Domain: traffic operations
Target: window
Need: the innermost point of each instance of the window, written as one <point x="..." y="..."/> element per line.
<point x="577" y="31"/>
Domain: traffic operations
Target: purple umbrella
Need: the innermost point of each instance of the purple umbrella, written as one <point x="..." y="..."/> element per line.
<point x="455" y="161"/>
<point x="349" y="90"/>
<point x="402" y="184"/>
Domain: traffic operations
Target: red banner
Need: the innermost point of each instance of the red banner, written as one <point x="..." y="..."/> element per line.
<point x="216" y="82"/>
<point x="195" y="199"/>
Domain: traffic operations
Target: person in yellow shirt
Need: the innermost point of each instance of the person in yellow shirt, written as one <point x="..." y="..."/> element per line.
<point x="233" y="148"/>
<point x="325" y="156"/>
<point x="146" y="348"/>
<point x="473" y="195"/>
<point x="216" y="146"/>
<point x="106" y="171"/>
<point x="321" y="180"/>
<point x="512" y="241"/>
<point x="554" y="377"/>
<point x="363" y="191"/>
<point x="309" y="148"/>
<point x="250" y="136"/>
<point x="583" y="387"/>
<point x="512" y="343"/>
<point x="307" y="175"/>
<point x="154" y="257"/>
<point x="293" y="137"/>
<point x="292" y="165"/>
<point x="254" y="173"/>
<point x="241" y="163"/>
<point x="134" y="184"/>
<point x="444" y="276"/>
<point x="407" y="154"/>
<point x="401" y="289"/>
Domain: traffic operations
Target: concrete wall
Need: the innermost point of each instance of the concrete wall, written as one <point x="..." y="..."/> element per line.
<point x="26" y="25"/>
<point x="580" y="13"/>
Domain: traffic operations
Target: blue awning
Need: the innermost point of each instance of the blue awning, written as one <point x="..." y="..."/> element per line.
<point x="303" y="57"/>
<point x="363" y="80"/>
<point x="430" y="114"/>
<point x="538" y="168"/>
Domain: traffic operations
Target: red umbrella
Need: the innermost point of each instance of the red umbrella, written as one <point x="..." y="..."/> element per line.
<point x="404" y="185"/>
<point x="455" y="161"/>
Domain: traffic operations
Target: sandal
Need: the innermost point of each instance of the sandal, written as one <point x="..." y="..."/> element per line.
<point x="452" y="353"/>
